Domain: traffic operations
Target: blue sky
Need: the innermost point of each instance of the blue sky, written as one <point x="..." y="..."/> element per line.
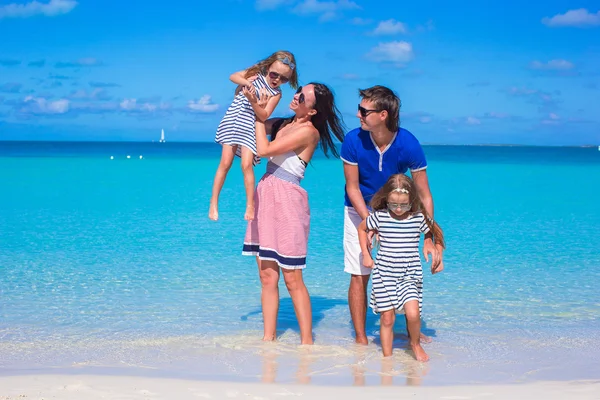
<point x="467" y="73"/>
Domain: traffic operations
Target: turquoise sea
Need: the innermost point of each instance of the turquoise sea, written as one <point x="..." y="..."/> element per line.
<point x="112" y="266"/>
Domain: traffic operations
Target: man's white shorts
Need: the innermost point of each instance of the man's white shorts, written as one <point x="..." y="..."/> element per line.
<point x="352" y="255"/>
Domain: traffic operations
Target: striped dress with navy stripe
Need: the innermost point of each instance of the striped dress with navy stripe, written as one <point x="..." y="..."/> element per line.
<point x="398" y="276"/>
<point x="237" y="126"/>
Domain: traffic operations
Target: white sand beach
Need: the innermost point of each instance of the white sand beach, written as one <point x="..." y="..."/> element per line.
<point x="90" y="387"/>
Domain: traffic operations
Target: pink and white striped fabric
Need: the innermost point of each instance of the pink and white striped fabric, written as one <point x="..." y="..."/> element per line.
<point x="279" y="231"/>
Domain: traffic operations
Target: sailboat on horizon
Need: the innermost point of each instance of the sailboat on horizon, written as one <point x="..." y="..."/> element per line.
<point x="162" y="136"/>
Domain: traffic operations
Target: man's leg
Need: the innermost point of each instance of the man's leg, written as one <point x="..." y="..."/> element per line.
<point x="359" y="275"/>
<point x="357" y="301"/>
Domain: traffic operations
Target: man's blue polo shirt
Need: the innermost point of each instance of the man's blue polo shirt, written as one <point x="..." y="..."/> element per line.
<point x="375" y="166"/>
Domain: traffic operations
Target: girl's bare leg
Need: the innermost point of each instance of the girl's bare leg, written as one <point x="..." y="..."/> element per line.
<point x="413" y="318"/>
<point x="227" y="155"/>
<point x="301" y="299"/>
<point x="386" y="331"/>
<point x="269" y="297"/>
<point x="248" y="171"/>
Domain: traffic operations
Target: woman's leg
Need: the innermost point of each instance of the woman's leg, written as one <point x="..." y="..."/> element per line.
<point x="386" y="331"/>
<point x="301" y="299"/>
<point x="227" y="155"/>
<point x="269" y="297"/>
<point x="413" y="317"/>
<point x="248" y="171"/>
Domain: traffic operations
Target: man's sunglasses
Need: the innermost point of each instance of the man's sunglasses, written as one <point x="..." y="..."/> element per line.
<point x="301" y="97"/>
<point x="275" y="75"/>
<point x="364" y="112"/>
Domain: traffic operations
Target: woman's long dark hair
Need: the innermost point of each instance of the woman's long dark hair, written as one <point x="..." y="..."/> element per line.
<point x="327" y="120"/>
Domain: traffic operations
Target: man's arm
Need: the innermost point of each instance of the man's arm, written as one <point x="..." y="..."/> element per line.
<point x="353" y="190"/>
<point x="422" y="184"/>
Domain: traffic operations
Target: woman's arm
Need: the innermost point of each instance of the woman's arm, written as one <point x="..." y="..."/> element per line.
<point x="305" y="136"/>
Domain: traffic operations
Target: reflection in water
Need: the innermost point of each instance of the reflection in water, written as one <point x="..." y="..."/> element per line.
<point x="269" y="356"/>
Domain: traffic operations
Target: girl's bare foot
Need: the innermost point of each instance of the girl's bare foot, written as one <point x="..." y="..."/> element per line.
<point x="424" y="338"/>
<point x="249" y="216"/>
<point x="420" y="354"/>
<point x="213" y="211"/>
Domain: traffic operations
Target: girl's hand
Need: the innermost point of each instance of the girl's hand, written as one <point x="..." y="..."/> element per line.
<point x="370" y="235"/>
<point x="367" y="261"/>
<point x="250" y="93"/>
<point x="264" y="98"/>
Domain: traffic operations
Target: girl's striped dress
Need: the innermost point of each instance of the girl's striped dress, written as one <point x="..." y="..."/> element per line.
<point x="398" y="276"/>
<point x="237" y="126"/>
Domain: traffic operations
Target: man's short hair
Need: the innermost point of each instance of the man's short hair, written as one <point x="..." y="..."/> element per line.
<point x="384" y="99"/>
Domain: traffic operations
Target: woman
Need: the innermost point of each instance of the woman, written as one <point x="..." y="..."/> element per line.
<point x="278" y="235"/>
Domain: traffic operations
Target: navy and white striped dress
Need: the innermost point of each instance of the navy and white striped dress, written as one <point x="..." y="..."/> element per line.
<point x="237" y="126"/>
<point x="398" y="276"/>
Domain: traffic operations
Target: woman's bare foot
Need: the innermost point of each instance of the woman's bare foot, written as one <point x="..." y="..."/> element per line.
<point x="362" y="340"/>
<point x="424" y="338"/>
<point x="213" y="211"/>
<point x="420" y="354"/>
<point x="249" y="216"/>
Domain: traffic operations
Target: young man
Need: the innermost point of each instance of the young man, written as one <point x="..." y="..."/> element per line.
<point x="371" y="154"/>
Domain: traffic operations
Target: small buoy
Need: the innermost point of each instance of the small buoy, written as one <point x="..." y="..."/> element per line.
<point x="128" y="156"/>
<point x="112" y="157"/>
<point x="140" y="157"/>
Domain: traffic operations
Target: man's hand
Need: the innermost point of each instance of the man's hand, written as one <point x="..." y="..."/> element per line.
<point x="264" y="98"/>
<point x="430" y="250"/>
<point x="440" y="265"/>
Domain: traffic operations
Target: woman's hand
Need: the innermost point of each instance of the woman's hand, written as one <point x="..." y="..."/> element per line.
<point x="250" y="93"/>
<point x="264" y="98"/>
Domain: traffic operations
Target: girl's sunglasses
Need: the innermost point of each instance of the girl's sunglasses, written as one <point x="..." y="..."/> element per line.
<point x="402" y="207"/>
<point x="275" y="75"/>
<point x="301" y="97"/>
<point x="364" y="111"/>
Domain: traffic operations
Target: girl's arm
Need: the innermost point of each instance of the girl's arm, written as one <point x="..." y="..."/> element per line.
<point x="364" y="240"/>
<point x="303" y="137"/>
<point x="239" y="78"/>
<point x="263" y="113"/>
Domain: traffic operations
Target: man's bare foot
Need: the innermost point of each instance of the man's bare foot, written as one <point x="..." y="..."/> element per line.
<point x="420" y="354"/>
<point x="213" y="211"/>
<point x="249" y="216"/>
<point x="362" y="340"/>
<point x="268" y="338"/>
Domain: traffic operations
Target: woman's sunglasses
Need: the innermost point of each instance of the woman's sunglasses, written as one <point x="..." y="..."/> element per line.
<point x="364" y="112"/>
<point x="275" y="75"/>
<point x="301" y="97"/>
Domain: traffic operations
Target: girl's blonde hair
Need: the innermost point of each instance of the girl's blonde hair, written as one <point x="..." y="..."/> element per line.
<point x="284" y="56"/>
<point x="404" y="183"/>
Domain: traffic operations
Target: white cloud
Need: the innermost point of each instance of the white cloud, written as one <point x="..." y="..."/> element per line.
<point x="577" y="18"/>
<point x="204" y="105"/>
<point x="350" y="77"/>
<point x="496" y="115"/>
<point x="328" y="9"/>
<point x="50" y="9"/>
<point x="473" y="121"/>
<point x="425" y="120"/>
<point x="132" y="105"/>
<point x="396" y="52"/>
<point x="553" y="116"/>
<point x="554" y="65"/>
<point x="360" y="21"/>
<point x="40" y="105"/>
<point x="269" y="4"/>
<point x="390" y="27"/>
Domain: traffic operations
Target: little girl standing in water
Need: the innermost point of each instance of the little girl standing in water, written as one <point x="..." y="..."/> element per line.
<point x="399" y="218"/>
<point x="236" y="130"/>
